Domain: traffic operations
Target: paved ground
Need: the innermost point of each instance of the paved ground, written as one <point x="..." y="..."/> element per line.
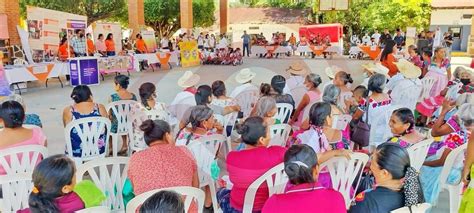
<point x="49" y="102"/>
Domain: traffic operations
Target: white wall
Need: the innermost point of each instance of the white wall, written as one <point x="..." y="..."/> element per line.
<point x="450" y="17"/>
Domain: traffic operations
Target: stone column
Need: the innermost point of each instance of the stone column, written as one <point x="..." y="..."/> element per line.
<point x="186" y="14"/>
<point x="224" y="18"/>
<point x="12" y="9"/>
<point x="136" y="17"/>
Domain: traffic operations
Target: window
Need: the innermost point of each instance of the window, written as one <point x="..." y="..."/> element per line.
<point x="467" y="16"/>
<point x="455" y="32"/>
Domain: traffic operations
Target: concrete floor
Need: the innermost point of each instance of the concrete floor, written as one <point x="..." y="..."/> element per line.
<point x="49" y="102"/>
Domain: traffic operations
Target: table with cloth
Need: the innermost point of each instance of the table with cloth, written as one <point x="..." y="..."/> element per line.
<point x="164" y="58"/>
<point x="36" y="72"/>
<point x="372" y="51"/>
<point x="270" y="49"/>
<point x="319" y="50"/>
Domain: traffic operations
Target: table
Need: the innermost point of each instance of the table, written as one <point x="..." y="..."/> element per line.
<point x="36" y="72"/>
<point x="117" y="64"/>
<point x="318" y="50"/>
<point x="161" y="57"/>
<point x="372" y="51"/>
<point x="270" y="49"/>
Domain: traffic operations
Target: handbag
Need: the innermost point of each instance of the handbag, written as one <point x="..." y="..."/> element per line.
<point x="367" y="181"/>
<point x="361" y="132"/>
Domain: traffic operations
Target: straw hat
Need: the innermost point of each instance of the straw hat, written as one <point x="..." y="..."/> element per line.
<point x="376" y="68"/>
<point x="297" y="69"/>
<point x="244" y="76"/>
<point x="408" y="69"/>
<point x="189" y="79"/>
<point x="332" y="70"/>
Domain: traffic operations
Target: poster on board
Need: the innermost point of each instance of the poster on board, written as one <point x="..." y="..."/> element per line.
<point x="47" y="27"/>
<point x="84" y="71"/>
<point x="189" y="53"/>
<point x="105" y="29"/>
<point x="150" y="41"/>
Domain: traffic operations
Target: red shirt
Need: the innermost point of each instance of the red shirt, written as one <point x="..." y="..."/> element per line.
<point x="246" y="166"/>
<point x="388" y="62"/>
<point x="303" y="198"/>
<point x="110" y="45"/>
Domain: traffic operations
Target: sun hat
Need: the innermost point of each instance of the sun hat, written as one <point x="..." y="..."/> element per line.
<point x="332" y="70"/>
<point x="189" y="79"/>
<point x="408" y="69"/>
<point x="376" y="68"/>
<point x="244" y="76"/>
<point x="297" y="69"/>
<point x="428" y="106"/>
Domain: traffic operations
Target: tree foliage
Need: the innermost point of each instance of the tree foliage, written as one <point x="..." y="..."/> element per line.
<point x="93" y="9"/>
<point x="163" y="15"/>
<point x="291" y="4"/>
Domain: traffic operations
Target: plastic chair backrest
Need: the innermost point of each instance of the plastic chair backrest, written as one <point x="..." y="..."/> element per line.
<point x="204" y="151"/>
<point x="16" y="189"/>
<point x="279" y="134"/>
<point x="20" y="61"/>
<point x="344" y="172"/>
<point x="308" y="107"/>
<point x="137" y="140"/>
<point x="407" y="97"/>
<point x="96" y="209"/>
<point x="89" y="131"/>
<point x="109" y="175"/>
<point x="420" y="208"/>
<point x="427" y="84"/>
<point x="183" y="108"/>
<point x="247" y="100"/>
<point x="276" y="180"/>
<point x="191" y="194"/>
<point x="448" y="165"/>
<point x="297" y="93"/>
<point x="22" y="159"/>
<point x="284" y="111"/>
<point x="121" y="110"/>
<point x="418" y="153"/>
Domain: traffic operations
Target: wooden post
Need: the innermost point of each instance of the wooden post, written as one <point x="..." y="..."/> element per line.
<point x="186" y="14"/>
<point x="12" y="9"/>
<point x="224" y="21"/>
<point x="136" y="17"/>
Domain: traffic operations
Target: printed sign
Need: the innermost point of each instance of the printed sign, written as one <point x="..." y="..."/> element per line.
<point x="189" y="54"/>
<point x="84" y="71"/>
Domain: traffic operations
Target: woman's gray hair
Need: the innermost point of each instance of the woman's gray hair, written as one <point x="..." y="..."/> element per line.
<point x="314" y="78"/>
<point x="465" y="98"/>
<point x="458" y="71"/>
<point x="377" y="83"/>
<point x="264" y="105"/>
<point x="331" y="94"/>
<point x="466" y="114"/>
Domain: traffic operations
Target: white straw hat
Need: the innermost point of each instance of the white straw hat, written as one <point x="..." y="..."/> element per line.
<point x="332" y="70"/>
<point x="408" y="69"/>
<point x="376" y="68"/>
<point x="189" y="79"/>
<point x="244" y="76"/>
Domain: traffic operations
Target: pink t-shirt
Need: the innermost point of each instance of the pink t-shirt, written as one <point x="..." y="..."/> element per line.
<point x="161" y="166"/>
<point x="37" y="138"/>
<point x="306" y="198"/>
<point x="246" y="166"/>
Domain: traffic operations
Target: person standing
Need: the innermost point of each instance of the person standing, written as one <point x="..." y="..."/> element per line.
<point x="438" y="38"/>
<point x="448" y="41"/>
<point x="200" y="40"/>
<point x="90" y="45"/>
<point x="399" y="39"/>
<point x="78" y="43"/>
<point x="100" y="45"/>
<point x="292" y="42"/>
<point x="366" y="40"/>
<point x="246" y="40"/>
<point x="110" y="45"/>
<point x="386" y="36"/>
<point x="212" y="42"/>
<point x="376" y="36"/>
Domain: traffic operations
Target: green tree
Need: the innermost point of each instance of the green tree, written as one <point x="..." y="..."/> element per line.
<point x="93" y="9"/>
<point x="163" y="15"/>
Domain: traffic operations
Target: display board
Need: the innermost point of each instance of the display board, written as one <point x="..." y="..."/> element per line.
<point x="84" y="71"/>
<point x="4" y="86"/>
<point x="150" y="41"/>
<point x="46" y="28"/>
<point x="105" y="29"/>
<point x="189" y="54"/>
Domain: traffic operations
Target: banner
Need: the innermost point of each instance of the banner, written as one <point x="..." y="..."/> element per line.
<point x="84" y="71"/>
<point x="105" y="29"/>
<point x="47" y="27"/>
<point x="41" y="72"/>
<point x="4" y="86"/>
<point x="115" y="64"/>
<point x="189" y="53"/>
<point x="150" y="41"/>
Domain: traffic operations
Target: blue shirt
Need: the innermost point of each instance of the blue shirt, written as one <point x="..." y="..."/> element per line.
<point x="246" y="38"/>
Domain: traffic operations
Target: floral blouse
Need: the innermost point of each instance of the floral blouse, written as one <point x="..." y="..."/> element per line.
<point x="185" y="137"/>
<point x="343" y="143"/>
<point x="458" y="137"/>
<point x="401" y="142"/>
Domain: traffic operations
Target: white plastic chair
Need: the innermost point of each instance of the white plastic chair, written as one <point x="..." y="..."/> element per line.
<point x="205" y="150"/>
<point x="276" y="180"/>
<point x="344" y="172"/>
<point x="247" y="100"/>
<point x="407" y="96"/>
<point x="279" y="134"/>
<point x="22" y="159"/>
<point x="420" y="208"/>
<point x="20" y="61"/>
<point x="284" y="111"/>
<point x="455" y="190"/>
<point x="96" y="209"/>
<point x="191" y="194"/>
<point x="227" y="120"/>
<point x="89" y="130"/>
<point x="427" y="84"/>
<point x="16" y="189"/>
<point x="418" y="153"/>
<point x="453" y="91"/>
<point x="121" y="110"/>
<point x="182" y="110"/>
<point x="109" y="176"/>
<point x="297" y="93"/>
<point x="137" y="140"/>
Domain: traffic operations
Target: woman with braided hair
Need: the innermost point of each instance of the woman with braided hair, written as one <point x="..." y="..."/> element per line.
<point x="402" y="125"/>
<point x="398" y="184"/>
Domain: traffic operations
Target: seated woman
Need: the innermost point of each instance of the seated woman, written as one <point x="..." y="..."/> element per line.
<point x="304" y="194"/>
<point x="455" y="132"/>
<point x="397" y="182"/>
<point x="30" y="118"/>
<point x="13" y="134"/>
<point x="312" y="81"/>
<point x="172" y="165"/>
<point x="163" y="201"/>
<point x="149" y="105"/>
<point x="278" y="85"/>
<point x="203" y="96"/>
<point x="120" y="86"/>
<point x="242" y="167"/>
<point x="266" y="109"/>
<point x="402" y="125"/>
<point x="221" y="99"/>
<point x="83" y="107"/>
<point x="341" y="81"/>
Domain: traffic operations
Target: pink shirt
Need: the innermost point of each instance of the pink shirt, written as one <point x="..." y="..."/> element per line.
<point x="66" y="204"/>
<point x="161" y="166"/>
<point x="100" y="46"/>
<point x="37" y="138"/>
<point x="306" y="198"/>
<point x="246" y="166"/>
